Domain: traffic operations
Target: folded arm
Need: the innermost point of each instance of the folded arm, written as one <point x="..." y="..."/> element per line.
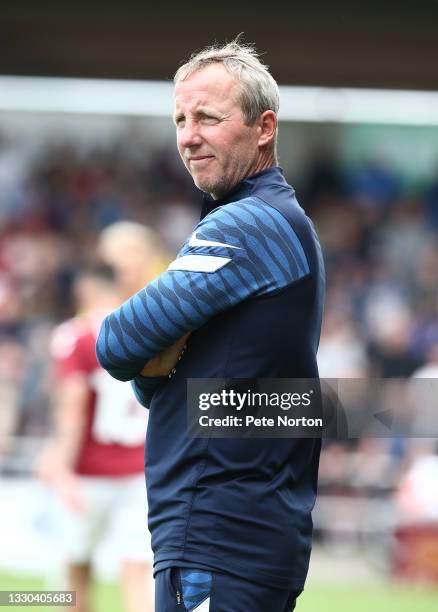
<point x="229" y="258"/>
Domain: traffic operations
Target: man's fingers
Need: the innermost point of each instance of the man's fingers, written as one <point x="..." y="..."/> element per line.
<point x="163" y="363"/>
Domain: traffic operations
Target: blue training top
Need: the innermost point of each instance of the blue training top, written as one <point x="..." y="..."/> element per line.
<point x="250" y="283"/>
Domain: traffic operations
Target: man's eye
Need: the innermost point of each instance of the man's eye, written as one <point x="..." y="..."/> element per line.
<point x="180" y="121"/>
<point x="209" y="119"/>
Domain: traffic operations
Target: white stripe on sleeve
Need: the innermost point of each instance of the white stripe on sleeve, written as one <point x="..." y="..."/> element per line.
<point x="199" y="263"/>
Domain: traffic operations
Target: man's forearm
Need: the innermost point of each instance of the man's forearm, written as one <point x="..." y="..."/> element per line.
<point x="125" y="346"/>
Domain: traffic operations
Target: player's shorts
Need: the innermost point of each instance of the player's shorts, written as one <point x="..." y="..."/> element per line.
<point x="197" y="590"/>
<point x="116" y="511"/>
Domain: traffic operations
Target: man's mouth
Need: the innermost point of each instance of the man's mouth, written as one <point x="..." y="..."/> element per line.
<point x="200" y="158"/>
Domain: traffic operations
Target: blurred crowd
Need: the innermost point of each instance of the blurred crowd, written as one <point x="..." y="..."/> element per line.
<point x="380" y="242"/>
<point x="379" y="238"/>
<point x="52" y="209"/>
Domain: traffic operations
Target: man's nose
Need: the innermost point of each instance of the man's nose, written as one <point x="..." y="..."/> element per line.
<point x="189" y="135"/>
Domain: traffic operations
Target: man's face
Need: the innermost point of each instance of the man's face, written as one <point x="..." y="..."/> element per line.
<point x="216" y="146"/>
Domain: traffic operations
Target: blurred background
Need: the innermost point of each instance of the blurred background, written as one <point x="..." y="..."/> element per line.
<point x="362" y="153"/>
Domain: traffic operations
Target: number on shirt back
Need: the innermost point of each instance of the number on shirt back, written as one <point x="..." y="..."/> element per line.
<point x="118" y="417"/>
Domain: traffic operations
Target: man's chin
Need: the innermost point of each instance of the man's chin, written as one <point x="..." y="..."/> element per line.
<point x="214" y="188"/>
<point x="203" y="185"/>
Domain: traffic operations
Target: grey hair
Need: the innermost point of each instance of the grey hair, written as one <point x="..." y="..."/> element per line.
<point x="258" y="89"/>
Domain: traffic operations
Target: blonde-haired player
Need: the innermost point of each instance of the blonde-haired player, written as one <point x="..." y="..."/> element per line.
<point x="95" y="460"/>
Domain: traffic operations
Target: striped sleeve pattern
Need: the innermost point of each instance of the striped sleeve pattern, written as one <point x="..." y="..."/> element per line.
<point x="241" y="250"/>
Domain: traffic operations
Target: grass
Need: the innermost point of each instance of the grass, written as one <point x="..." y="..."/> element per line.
<point x="107" y="598"/>
<point x="373" y="599"/>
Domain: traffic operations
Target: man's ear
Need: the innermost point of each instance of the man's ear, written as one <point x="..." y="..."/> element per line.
<point x="268" y="127"/>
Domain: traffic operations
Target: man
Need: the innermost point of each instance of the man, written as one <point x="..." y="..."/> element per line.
<point x="94" y="462"/>
<point x="230" y="519"/>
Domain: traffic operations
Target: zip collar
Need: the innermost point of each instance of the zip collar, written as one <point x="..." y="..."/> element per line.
<point x="257" y="184"/>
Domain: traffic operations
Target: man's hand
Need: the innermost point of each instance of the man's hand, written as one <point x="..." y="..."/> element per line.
<point x="163" y="363"/>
